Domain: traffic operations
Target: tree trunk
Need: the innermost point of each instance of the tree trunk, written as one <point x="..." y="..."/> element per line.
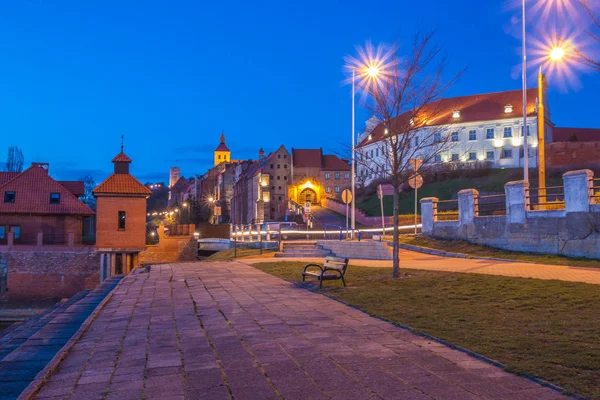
<point x="396" y="256"/>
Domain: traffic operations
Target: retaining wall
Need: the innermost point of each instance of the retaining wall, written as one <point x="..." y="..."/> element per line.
<point x="367" y="250"/>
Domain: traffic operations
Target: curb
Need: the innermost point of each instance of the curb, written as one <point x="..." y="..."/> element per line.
<point x="51" y="367"/>
<point x="442" y="253"/>
<point x="473" y="354"/>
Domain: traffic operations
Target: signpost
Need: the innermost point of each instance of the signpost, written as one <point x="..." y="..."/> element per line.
<point x="346" y="199"/>
<point x="416" y="181"/>
<point x="307" y="216"/>
<point x="380" y="195"/>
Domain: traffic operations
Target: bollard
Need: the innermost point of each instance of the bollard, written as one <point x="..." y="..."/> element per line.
<point x="358" y="235"/>
<point x="341" y="234"/>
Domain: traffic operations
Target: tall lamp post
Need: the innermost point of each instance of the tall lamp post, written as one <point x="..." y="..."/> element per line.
<point x="524" y="77"/>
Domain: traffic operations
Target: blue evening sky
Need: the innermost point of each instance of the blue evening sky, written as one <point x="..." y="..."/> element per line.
<point x="170" y="75"/>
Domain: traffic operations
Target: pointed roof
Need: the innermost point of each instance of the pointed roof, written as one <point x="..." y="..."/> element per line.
<point x="222" y="146"/>
<point x="121" y="184"/>
<point x="32" y="190"/>
<point x="121" y="157"/>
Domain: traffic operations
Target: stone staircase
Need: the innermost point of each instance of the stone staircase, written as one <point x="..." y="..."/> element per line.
<point x="26" y="348"/>
<point x="303" y="249"/>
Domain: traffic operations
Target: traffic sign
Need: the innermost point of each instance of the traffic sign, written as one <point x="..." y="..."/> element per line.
<point x="346" y="196"/>
<point x="415" y="181"/>
<point x="415" y="163"/>
<point x="307" y="208"/>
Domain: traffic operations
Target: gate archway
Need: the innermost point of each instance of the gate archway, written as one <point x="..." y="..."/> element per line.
<point x="308" y="196"/>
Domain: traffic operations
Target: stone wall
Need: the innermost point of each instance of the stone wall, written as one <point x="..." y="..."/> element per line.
<point x="573" y="231"/>
<point x="568" y="154"/>
<point x="363" y="218"/>
<point x="370" y="250"/>
<point x="171" y="248"/>
<point x="42" y="275"/>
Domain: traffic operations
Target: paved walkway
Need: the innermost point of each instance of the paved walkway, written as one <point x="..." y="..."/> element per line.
<point x="226" y="330"/>
<point x="414" y="260"/>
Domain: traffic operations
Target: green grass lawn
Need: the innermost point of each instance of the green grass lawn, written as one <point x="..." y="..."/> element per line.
<point x="549" y="329"/>
<point x="446" y="190"/>
<point x="226" y="255"/>
<point x="461" y="246"/>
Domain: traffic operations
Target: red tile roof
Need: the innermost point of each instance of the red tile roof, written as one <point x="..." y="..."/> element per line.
<point x="75" y="187"/>
<point x="310" y="158"/>
<point x="479" y="107"/>
<point x="575" y="135"/>
<point x="334" y="163"/>
<point x="121" y="157"/>
<point x="7" y="176"/>
<point x="222" y="147"/>
<point x="121" y="184"/>
<point x="32" y="195"/>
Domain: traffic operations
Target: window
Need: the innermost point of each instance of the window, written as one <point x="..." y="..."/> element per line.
<point x="285" y="178"/>
<point x="284" y="165"/>
<point x="279" y="197"/>
<point x="54" y="198"/>
<point x="454" y="157"/>
<point x="16" y="230"/>
<point x="377" y="152"/>
<point x="279" y="187"/>
<point x="507" y="153"/>
<point x="508" y="132"/>
<point x="278" y="177"/>
<point x="371" y="153"/>
<point x="472" y="156"/>
<point x="278" y="155"/>
<point x="9" y="197"/>
<point x="327" y="189"/>
<point x="2" y="232"/>
<point x="347" y="175"/>
<point x="219" y="157"/>
<point x="416" y="141"/>
<point x="437" y="138"/>
<point x="438" y="158"/>
<point x="278" y="166"/>
<point x="337" y="175"/>
<point x="337" y="189"/>
<point x="455" y="136"/>
<point x="271" y="166"/>
<point x="489" y="155"/>
<point x="472" y="135"/>
<point x="489" y="133"/>
<point x="285" y="156"/>
<point x="327" y="175"/>
<point x="528" y="130"/>
<point x="122" y="219"/>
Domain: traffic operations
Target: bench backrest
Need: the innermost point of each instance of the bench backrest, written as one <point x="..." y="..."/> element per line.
<point x="338" y="263"/>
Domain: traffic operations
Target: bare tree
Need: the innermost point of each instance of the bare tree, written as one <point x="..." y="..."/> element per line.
<point x="88" y="186"/>
<point x="407" y="97"/>
<point x="593" y="33"/>
<point x="14" y="160"/>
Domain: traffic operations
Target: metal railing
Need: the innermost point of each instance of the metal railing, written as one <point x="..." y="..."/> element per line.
<point x="548" y="198"/>
<point x="595" y="197"/>
<point x="491" y="205"/>
<point x="447" y="210"/>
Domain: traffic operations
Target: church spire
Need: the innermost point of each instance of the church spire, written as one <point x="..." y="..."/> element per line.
<point x="223" y="136"/>
<point x="122" y="146"/>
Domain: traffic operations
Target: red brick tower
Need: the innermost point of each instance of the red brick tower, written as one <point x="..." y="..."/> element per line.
<point x="121" y="219"/>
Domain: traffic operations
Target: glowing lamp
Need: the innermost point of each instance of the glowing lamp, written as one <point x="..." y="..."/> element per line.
<point x="557" y="53"/>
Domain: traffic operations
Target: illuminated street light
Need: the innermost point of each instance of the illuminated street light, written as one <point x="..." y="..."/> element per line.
<point x="185" y="204"/>
<point x="211" y="199"/>
<point x="557" y="53"/>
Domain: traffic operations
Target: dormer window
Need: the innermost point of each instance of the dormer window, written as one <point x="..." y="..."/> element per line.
<point x="385" y="132"/>
<point x="54" y="198"/>
<point x="412" y="122"/>
<point x="370" y="137"/>
<point x="9" y="197"/>
<point x="456" y="114"/>
<point x="508" y="108"/>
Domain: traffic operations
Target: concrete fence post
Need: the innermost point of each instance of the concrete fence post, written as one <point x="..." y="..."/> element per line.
<point x="71" y="239"/>
<point x="429" y="207"/>
<point x="468" y="206"/>
<point x="517" y="202"/>
<point x="10" y="239"/>
<point x="578" y="189"/>
<point x="40" y="239"/>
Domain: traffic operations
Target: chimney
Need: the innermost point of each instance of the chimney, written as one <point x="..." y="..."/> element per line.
<point x="44" y="166"/>
<point x="261" y="154"/>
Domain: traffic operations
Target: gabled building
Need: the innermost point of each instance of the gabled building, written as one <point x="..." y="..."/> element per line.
<point x="121" y="219"/>
<point x="33" y="203"/>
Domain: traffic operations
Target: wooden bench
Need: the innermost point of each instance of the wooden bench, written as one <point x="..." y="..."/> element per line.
<point x="334" y="268"/>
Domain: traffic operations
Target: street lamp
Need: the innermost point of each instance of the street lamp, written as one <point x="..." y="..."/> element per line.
<point x="524" y="78"/>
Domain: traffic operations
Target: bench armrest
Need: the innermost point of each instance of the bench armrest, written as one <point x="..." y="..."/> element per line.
<point x="312" y="265"/>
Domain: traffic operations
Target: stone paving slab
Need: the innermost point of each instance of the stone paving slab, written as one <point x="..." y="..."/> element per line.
<point x="413" y="260"/>
<point x="224" y="330"/>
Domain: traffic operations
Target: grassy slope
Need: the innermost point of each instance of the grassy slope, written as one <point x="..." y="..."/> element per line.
<point x="461" y="246"/>
<point x="444" y="190"/>
<point x="544" y="328"/>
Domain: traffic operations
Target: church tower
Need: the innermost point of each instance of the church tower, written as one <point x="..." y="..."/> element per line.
<point x="222" y="153"/>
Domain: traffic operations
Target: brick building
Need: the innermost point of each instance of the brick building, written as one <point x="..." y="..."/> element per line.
<point x="36" y="209"/>
<point x="316" y="176"/>
<point x="121" y="219"/>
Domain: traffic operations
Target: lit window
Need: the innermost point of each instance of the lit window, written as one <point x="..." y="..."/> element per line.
<point x="472" y="135"/>
<point x="455" y="136"/>
<point x="54" y="198"/>
<point x="327" y="175"/>
<point x="16" y="230"/>
<point x="337" y="189"/>
<point x="507" y="132"/>
<point x="337" y="175"/>
<point x="327" y="189"/>
<point x="456" y="114"/>
<point x="489" y="133"/>
<point x="472" y="156"/>
<point x="122" y="218"/>
<point x="508" y="108"/>
<point x="9" y="197"/>
<point x="490" y="155"/>
<point x="347" y="175"/>
<point x="454" y="157"/>
<point x="370" y="136"/>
